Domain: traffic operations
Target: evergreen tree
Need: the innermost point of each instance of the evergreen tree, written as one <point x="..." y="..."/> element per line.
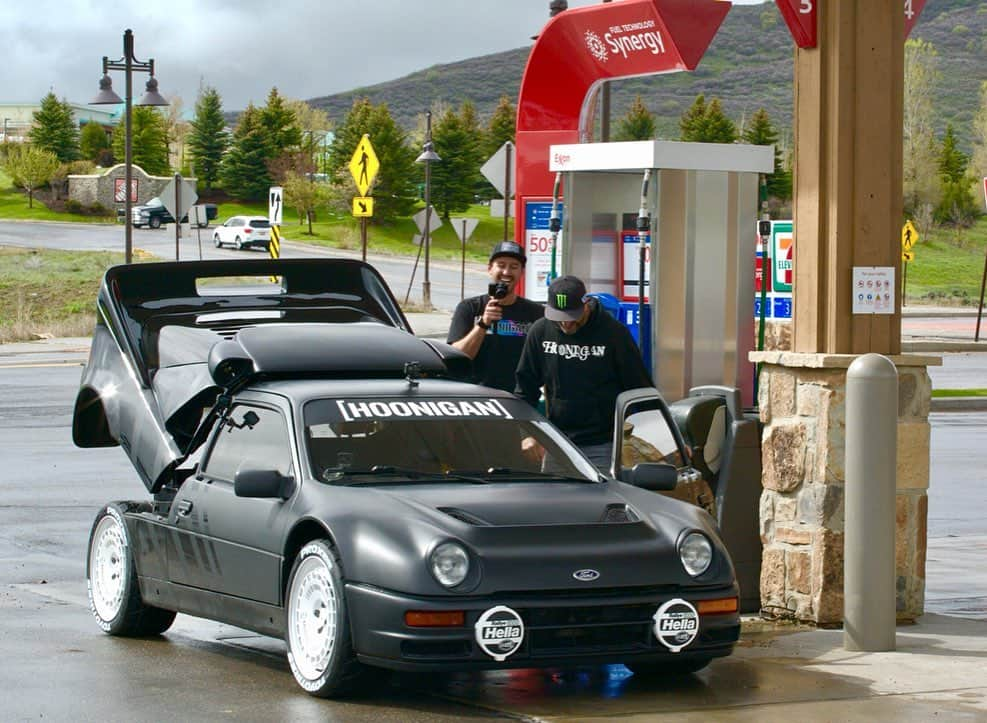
<point x="55" y="130"/>
<point x="501" y="128"/>
<point x="693" y="120"/>
<point x="244" y="172"/>
<point x="280" y="125"/>
<point x="149" y="140"/>
<point x="93" y="142"/>
<point x="637" y="125"/>
<point x="456" y="175"/>
<point x="957" y="206"/>
<point x="761" y="132"/>
<point x="208" y="141"/>
<point x="394" y="190"/>
<point x="707" y="123"/>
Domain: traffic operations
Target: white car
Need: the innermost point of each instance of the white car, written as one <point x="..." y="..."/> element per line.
<point x="243" y="232"/>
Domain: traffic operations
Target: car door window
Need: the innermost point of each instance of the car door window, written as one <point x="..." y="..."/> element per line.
<point x="250" y="437"/>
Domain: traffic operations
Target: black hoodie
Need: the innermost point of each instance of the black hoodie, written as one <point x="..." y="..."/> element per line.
<point x="582" y="373"/>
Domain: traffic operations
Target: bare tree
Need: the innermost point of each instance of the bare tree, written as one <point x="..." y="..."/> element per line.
<point x="30" y="168"/>
<point x="978" y="162"/>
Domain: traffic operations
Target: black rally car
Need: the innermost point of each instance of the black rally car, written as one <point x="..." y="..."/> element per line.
<point x="317" y="473"/>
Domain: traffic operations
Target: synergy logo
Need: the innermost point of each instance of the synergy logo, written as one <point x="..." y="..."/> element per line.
<point x="625" y="40"/>
<point x="499" y="632"/>
<point x="596" y="46"/>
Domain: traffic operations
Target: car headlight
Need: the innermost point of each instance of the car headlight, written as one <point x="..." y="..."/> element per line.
<point x="449" y="563"/>
<point x="696" y="552"/>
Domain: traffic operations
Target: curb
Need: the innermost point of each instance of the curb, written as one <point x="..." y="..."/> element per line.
<point x="930" y="345"/>
<point x="958" y="404"/>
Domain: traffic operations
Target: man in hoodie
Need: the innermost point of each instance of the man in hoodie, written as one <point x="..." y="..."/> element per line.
<point x="583" y="358"/>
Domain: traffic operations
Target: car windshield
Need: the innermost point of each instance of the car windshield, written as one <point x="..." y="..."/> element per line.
<point x="400" y="441"/>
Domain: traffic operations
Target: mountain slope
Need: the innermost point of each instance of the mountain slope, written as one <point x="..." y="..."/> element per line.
<point x="748" y="65"/>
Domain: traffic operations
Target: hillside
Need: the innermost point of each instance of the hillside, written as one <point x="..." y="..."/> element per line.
<point x="748" y="65"/>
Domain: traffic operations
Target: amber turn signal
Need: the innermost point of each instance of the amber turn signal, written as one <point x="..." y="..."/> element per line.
<point x="717" y="607"/>
<point x="446" y="619"/>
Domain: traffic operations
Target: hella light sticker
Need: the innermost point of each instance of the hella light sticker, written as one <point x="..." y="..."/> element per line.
<point x="499" y="632"/>
<point x="676" y="624"/>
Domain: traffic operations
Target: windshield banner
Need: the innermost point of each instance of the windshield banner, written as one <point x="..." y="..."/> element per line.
<point x="352" y="411"/>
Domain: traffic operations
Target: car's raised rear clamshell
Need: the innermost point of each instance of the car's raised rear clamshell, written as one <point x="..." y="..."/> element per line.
<point x="151" y="378"/>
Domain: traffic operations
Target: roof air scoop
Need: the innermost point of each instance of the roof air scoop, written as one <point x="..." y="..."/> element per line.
<point x="229" y="364"/>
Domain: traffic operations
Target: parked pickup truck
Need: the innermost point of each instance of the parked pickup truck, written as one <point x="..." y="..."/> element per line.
<point x="153" y="214"/>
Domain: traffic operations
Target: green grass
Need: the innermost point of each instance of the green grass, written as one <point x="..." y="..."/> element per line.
<point x="948" y="267"/>
<point x="14" y="205"/>
<point x="49" y="293"/>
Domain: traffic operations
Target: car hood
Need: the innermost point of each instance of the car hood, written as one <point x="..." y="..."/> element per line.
<point x="528" y="536"/>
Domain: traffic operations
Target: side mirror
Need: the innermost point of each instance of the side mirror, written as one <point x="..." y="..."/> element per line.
<point x="263" y="483"/>
<point x="653" y="476"/>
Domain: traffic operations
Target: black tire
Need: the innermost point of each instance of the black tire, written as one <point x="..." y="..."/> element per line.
<point x="215" y="240"/>
<point x="317" y="628"/>
<point x="155" y="222"/>
<point x="685" y="667"/>
<point x="111" y="580"/>
<point x="238" y="243"/>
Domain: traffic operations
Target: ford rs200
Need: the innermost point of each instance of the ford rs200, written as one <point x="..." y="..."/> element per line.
<point x="317" y="473"/>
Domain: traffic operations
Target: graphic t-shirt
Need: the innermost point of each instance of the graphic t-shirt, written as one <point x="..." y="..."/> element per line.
<point x="497" y="359"/>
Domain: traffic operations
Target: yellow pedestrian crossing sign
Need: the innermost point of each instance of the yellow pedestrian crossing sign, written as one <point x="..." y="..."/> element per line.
<point x="909" y="236"/>
<point x="363" y="206"/>
<point x="364" y="165"/>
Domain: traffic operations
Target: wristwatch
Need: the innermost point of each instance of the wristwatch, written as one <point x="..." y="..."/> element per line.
<point x="482" y="325"/>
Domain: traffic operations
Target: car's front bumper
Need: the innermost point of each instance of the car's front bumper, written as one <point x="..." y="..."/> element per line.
<point x="561" y="628"/>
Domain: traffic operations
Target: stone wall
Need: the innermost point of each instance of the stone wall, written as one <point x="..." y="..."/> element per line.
<point x="802" y="405"/>
<point x="99" y="188"/>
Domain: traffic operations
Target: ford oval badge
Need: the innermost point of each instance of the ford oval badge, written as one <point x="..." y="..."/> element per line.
<point x="586" y="575"/>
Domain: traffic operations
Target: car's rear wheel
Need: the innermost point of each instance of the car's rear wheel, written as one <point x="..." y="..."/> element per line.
<point x="238" y="243"/>
<point x="320" y="651"/>
<point x="685" y="667"/>
<point x="155" y="222"/>
<point x="111" y="577"/>
<point x="216" y="240"/>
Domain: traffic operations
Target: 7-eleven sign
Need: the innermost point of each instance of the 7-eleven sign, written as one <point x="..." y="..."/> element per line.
<point x="782" y="255"/>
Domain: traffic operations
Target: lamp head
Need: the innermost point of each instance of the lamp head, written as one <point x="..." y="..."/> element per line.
<point x="106" y="96"/>
<point x="152" y="96"/>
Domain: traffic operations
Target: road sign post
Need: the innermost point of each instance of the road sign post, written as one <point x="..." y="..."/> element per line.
<point x="419" y="219"/>
<point x="464" y="229"/>
<point x="178" y="196"/>
<point x="363" y="167"/>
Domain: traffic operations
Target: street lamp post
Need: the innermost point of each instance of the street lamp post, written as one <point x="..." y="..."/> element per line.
<point x="428" y="155"/>
<point x="128" y="63"/>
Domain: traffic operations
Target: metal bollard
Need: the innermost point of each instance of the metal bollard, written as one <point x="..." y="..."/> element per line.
<point x="871" y="471"/>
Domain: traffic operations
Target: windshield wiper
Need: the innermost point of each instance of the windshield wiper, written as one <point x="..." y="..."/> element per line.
<point x="510" y="471"/>
<point x="410" y="475"/>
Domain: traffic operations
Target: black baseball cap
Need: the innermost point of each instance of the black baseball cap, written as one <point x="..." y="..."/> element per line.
<point x="508" y="248"/>
<point x="566" y="297"/>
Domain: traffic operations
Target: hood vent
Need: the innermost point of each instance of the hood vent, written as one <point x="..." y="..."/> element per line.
<point x="464" y="516"/>
<point x="619" y="513"/>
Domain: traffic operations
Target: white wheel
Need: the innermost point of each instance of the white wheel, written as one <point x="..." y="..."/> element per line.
<point x="111" y="577"/>
<point x="318" y="635"/>
<point x="238" y="243"/>
<point x="107" y="568"/>
<point x="215" y="240"/>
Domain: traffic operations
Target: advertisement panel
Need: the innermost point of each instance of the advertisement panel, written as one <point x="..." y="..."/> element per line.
<point x="780" y="268"/>
<point x="538" y="248"/>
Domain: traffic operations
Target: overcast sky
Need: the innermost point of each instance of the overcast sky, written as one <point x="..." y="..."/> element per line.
<point x="243" y="48"/>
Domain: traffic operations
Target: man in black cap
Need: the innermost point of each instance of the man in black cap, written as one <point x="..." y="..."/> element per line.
<point x="584" y="358"/>
<point x="491" y="328"/>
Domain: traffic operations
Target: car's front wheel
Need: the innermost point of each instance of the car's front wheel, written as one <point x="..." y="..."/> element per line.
<point x="216" y="240"/>
<point x="320" y="650"/>
<point x="111" y="577"/>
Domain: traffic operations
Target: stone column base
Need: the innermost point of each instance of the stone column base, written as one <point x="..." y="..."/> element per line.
<point x="801" y="398"/>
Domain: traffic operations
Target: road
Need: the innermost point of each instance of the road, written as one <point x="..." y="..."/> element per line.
<point x="66" y="669"/>
<point x="445" y="276"/>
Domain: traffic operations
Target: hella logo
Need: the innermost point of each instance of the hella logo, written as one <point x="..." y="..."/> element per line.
<point x="586" y="575"/>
